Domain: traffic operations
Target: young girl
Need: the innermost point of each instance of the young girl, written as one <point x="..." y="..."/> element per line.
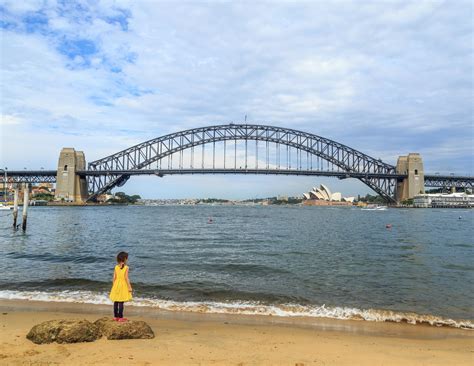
<point x="121" y="288"/>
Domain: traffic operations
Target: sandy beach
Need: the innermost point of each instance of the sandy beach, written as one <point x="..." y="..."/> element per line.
<point x="206" y="339"/>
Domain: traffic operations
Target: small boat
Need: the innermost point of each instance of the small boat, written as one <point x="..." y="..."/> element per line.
<point x="4" y="207"/>
<point x="373" y="207"/>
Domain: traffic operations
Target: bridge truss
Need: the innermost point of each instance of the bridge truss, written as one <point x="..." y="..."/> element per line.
<point x="449" y="181"/>
<point x="261" y="148"/>
<point x="29" y="176"/>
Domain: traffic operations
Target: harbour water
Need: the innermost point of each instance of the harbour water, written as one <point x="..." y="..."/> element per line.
<point x="337" y="262"/>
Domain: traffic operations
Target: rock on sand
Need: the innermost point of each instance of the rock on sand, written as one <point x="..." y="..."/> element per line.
<point x="74" y="331"/>
<point x="64" y="331"/>
<point x="132" y="329"/>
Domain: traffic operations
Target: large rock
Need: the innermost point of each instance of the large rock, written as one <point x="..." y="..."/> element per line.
<point x="64" y="331"/>
<point x="132" y="329"/>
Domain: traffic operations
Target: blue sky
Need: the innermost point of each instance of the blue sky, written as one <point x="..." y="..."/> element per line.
<point x="384" y="77"/>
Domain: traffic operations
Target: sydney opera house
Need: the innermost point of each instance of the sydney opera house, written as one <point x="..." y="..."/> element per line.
<point x="322" y="196"/>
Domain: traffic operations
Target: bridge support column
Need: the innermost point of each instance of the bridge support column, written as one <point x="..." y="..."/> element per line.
<point x="70" y="187"/>
<point x="414" y="183"/>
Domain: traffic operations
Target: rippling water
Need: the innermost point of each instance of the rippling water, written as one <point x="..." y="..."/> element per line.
<point x="315" y="261"/>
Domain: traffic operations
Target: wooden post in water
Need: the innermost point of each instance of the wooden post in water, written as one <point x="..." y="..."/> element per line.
<point x="15" y="205"/>
<point x="26" y="199"/>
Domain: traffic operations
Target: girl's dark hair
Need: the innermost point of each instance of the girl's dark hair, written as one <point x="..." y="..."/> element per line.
<point x="121" y="257"/>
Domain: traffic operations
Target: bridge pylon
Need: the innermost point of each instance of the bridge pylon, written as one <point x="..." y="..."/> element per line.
<point x="414" y="183"/>
<point x="71" y="187"/>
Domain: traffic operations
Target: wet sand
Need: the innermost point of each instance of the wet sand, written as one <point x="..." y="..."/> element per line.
<point x="207" y="339"/>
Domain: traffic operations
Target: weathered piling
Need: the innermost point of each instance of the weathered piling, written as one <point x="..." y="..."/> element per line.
<point x="15" y="205"/>
<point x="26" y="199"/>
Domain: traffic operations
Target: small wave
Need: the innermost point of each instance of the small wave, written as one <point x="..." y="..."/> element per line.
<point x="248" y="268"/>
<point x="245" y="308"/>
<point x="50" y="257"/>
<point x="458" y="267"/>
<point x="460" y="245"/>
<point x="55" y="284"/>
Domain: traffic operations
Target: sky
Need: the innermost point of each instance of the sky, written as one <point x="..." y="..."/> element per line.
<point x="384" y="77"/>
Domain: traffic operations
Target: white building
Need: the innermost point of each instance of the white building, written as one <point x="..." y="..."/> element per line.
<point x="323" y="193"/>
<point x="444" y="200"/>
<point x="327" y="192"/>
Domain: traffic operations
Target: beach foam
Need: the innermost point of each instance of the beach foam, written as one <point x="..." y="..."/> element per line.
<point x="244" y="308"/>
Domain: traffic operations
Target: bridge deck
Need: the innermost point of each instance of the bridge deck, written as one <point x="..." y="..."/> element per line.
<point x="163" y="172"/>
<point x="49" y="176"/>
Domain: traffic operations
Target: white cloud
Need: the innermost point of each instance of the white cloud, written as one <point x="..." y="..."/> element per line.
<point x="383" y="77"/>
<point x="23" y="6"/>
<point x="7" y="120"/>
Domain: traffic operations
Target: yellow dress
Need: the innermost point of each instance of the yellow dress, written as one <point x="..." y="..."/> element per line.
<point x="119" y="290"/>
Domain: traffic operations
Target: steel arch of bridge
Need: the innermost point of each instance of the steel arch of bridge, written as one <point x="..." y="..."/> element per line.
<point x="448" y="181"/>
<point x="142" y="155"/>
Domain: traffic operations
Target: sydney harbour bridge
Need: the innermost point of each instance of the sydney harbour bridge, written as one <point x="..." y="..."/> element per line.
<point x="237" y="149"/>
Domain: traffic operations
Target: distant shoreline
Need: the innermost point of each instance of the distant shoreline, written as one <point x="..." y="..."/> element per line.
<point x="233" y="203"/>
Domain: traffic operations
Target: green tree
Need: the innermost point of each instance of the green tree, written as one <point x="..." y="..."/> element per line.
<point x="43" y="196"/>
<point x="123" y="198"/>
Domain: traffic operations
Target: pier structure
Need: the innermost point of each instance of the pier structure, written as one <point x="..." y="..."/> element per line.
<point x="15" y="204"/>
<point x="26" y="202"/>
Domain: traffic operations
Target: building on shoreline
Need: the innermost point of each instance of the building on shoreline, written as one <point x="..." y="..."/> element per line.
<point x="322" y="196"/>
<point x="442" y="200"/>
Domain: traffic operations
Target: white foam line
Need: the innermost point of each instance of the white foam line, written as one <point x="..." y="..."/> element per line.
<point x="243" y="307"/>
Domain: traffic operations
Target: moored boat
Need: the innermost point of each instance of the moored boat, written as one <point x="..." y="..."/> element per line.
<point x="373" y="207"/>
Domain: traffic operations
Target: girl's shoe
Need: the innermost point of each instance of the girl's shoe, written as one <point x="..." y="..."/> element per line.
<point x="122" y="320"/>
<point x="116" y="319"/>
